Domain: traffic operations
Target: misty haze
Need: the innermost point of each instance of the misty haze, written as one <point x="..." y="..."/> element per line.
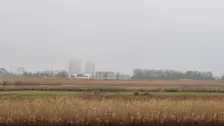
<point x="117" y="35"/>
<point x="111" y="62"/>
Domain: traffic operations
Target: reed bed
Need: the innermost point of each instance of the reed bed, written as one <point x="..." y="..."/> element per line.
<point x="20" y="80"/>
<point x="12" y="83"/>
<point x="69" y="110"/>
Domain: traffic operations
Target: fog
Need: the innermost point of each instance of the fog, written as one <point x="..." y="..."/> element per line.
<point x="117" y="35"/>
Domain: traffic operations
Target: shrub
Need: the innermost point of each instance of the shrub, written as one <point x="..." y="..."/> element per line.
<point x="136" y="93"/>
<point x="147" y="94"/>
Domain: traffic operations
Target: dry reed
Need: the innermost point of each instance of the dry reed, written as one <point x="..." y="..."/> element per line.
<point x="64" y="84"/>
<point x="78" y="111"/>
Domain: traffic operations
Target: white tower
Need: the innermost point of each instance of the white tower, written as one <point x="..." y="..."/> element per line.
<point x="90" y="68"/>
<point x="75" y="66"/>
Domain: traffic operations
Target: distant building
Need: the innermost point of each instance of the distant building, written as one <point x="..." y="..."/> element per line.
<point x="20" y="71"/>
<point x="105" y="75"/>
<point x="3" y="72"/>
<point x="125" y="77"/>
<point x="89" y="68"/>
<point x="75" y="66"/>
<point x="80" y="76"/>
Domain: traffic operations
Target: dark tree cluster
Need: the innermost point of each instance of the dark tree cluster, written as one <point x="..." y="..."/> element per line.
<point x="145" y="74"/>
<point x="62" y="74"/>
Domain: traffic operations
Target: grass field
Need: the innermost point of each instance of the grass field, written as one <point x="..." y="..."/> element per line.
<point x="65" y="102"/>
<point x="57" y="84"/>
<point x="69" y="93"/>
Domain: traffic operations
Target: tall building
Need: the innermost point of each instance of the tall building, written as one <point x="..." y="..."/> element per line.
<point x="75" y="66"/>
<point x="89" y="67"/>
<point x="105" y="75"/>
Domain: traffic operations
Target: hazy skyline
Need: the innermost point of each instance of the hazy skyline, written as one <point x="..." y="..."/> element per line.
<point x="117" y="35"/>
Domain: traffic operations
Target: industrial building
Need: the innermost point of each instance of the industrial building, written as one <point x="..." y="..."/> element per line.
<point x="105" y="75"/>
<point x="125" y="77"/>
<point x="89" y="67"/>
<point x="3" y="72"/>
<point x="75" y="66"/>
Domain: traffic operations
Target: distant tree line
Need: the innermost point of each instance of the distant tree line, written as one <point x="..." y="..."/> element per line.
<point x="145" y="74"/>
<point x="138" y="74"/>
<point x="61" y="74"/>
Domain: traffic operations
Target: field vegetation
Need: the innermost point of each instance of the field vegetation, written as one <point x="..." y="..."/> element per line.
<point x="62" y="84"/>
<point x="63" y="102"/>
<point x="96" y="110"/>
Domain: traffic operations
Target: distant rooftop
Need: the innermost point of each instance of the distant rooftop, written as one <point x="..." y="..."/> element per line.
<point x="3" y="71"/>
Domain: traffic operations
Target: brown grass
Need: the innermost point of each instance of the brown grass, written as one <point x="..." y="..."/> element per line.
<point x="77" y="110"/>
<point x="60" y="81"/>
<point x="57" y="84"/>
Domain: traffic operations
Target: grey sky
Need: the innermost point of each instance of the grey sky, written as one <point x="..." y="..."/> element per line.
<point x="118" y="35"/>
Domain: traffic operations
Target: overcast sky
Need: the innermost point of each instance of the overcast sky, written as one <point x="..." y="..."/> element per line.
<point x="118" y="35"/>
